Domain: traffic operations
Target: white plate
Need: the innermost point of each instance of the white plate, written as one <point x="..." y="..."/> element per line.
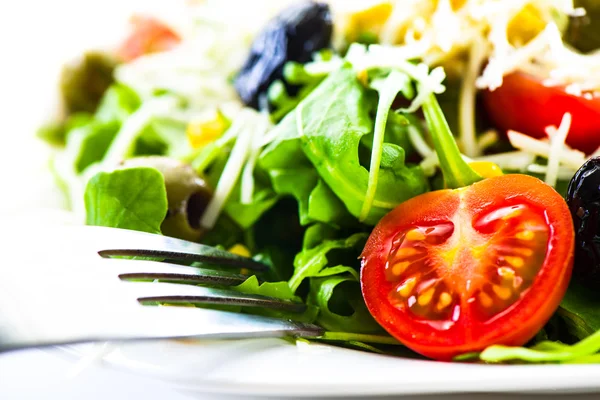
<point x="251" y="367"/>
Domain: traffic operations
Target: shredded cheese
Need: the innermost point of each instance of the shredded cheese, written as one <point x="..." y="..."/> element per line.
<point x="242" y="127"/>
<point x="557" y="144"/>
<point x="569" y="157"/>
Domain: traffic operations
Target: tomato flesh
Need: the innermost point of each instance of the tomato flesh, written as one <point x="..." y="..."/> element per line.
<point x="455" y="271"/>
<point x="148" y="36"/>
<point x="524" y="104"/>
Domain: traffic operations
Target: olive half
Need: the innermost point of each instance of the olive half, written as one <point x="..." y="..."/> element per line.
<point x="188" y="195"/>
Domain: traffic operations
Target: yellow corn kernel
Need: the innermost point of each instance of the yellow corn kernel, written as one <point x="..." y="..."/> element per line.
<point x="240" y="250"/>
<point x="369" y="19"/>
<point x="457" y="4"/>
<point x="363" y="77"/>
<point x="525" y="25"/>
<point x="486" y="169"/>
<point x="207" y="129"/>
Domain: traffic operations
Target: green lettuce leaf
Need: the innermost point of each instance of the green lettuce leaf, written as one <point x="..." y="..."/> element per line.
<point x="326" y="128"/>
<point x="131" y="198"/>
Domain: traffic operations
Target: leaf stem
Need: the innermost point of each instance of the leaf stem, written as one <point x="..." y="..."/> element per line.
<point x="457" y="173"/>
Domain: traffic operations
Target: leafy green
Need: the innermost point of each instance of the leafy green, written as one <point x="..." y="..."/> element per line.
<point x="457" y="173"/>
<point x="341" y="306"/>
<point x="316" y="234"/>
<point x="388" y="88"/>
<point x="316" y="201"/>
<point x="278" y="290"/>
<point x="117" y="104"/>
<point x="326" y="128"/>
<point x="580" y="310"/>
<point x="313" y="262"/>
<point x="131" y="198"/>
<point x="91" y="141"/>
<point x="547" y="352"/>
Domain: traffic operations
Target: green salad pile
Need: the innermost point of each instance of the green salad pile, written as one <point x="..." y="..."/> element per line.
<point x="296" y="177"/>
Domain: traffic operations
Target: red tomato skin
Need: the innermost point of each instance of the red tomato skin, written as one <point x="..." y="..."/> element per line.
<point x="149" y="35"/>
<point x="513" y="328"/>
<point x="525" y="105"/>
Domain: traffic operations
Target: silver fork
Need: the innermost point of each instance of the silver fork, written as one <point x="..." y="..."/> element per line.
<point x="62" y="285"/>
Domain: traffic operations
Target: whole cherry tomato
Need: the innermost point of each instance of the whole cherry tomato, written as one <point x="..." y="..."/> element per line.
<point x="524" y="104"/>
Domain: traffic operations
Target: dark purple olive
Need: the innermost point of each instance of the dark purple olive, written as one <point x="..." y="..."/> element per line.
<point x="293" y="35"/>
<point x="583" y="198"/>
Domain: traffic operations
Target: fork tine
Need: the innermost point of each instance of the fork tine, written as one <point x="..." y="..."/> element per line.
<point x="168" y="272"/>
<point x="150" y="292"/>
<point x="132" y="243"/>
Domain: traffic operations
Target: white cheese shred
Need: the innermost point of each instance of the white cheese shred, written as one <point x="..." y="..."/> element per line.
<point x="233" y="168"/>
<point x="569" y="157"/>
<point x="557" y="145"/>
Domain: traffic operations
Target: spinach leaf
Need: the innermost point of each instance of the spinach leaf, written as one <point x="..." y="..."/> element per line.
<point x="326" y="128"/>
<point x="131" y="198"/>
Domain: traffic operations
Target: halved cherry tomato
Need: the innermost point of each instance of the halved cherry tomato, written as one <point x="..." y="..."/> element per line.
<point x="148" y="36"/>
<point x="454" y="271"/>
<point x="523" y="103"/>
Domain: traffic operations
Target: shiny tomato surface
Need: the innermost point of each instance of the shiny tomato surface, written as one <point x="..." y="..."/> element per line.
<point x="524" y="104"/>
<point x="454" y="271"/>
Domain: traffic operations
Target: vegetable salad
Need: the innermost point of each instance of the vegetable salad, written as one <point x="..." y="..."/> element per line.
<point x="423" y="174"/>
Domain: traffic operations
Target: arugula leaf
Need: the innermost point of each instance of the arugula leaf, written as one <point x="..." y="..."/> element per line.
<point x="326" y="128"/>
<point x="316" y="201"/>
<point x="278" y="290"/>
<point x="580" y="310"/>
<point x="312" y="262"/>
<point x="316" y="234"/>
<point x="117" y="104"/>
<point x="457" y="173"/>
<point x="131" y="198"/>
<point x="90" y="142"/>
<point x="341" y="306"/>
<point x="550" y="352"/>
<point x="388" y="88"/>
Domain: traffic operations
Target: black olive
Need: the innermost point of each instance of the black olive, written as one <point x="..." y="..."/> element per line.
<point x="583" y="198"/>
<point x="293" y="35"/>
<point x="188" y="194"/>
